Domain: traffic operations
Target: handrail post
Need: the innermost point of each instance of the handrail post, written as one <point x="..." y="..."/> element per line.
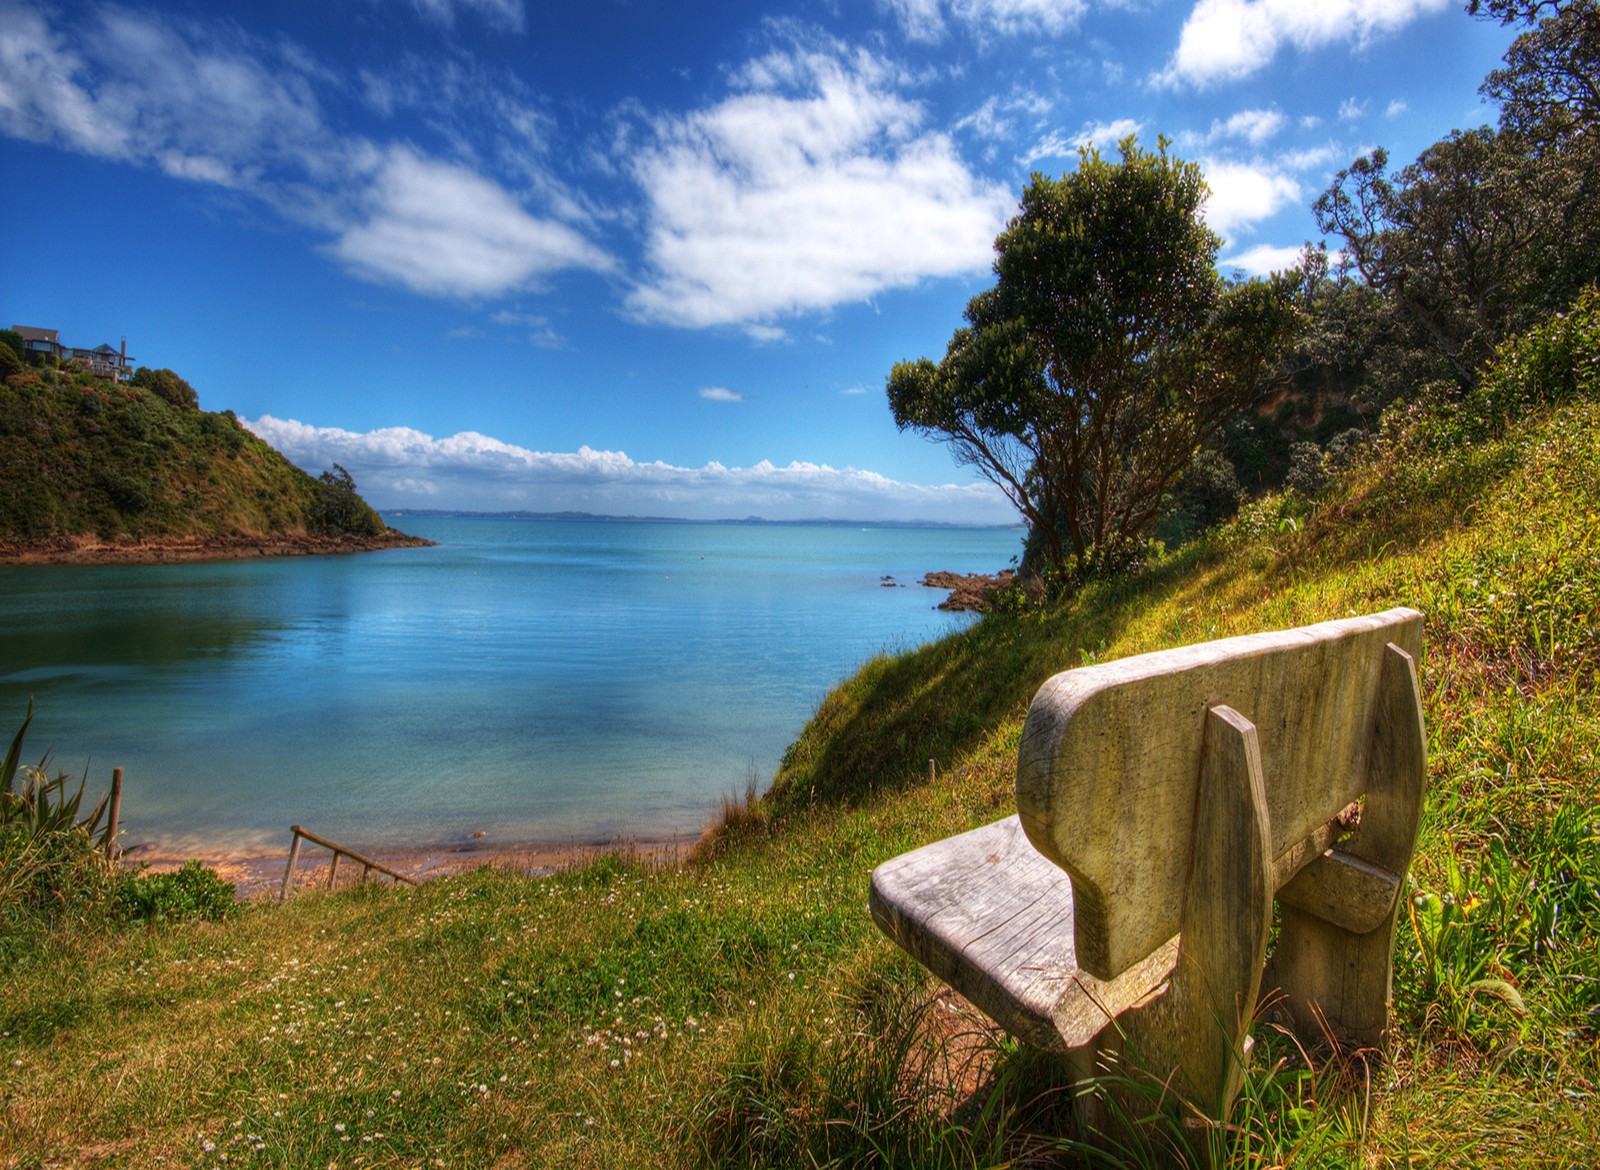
<point x="288" y="870"/>
<point x="116" y="812"/>
<point x="338" y="851"/>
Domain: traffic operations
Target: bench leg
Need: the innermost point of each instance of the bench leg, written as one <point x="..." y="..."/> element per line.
<point x="1329" y="982"/>
<point x="1193" y="1036"/>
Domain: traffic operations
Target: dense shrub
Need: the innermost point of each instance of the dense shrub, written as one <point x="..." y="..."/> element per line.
<point x="338" y="509"/>
<point x="192" y="893"/>
<point x="167" y="385"/>
<point x="1556" y="362"/>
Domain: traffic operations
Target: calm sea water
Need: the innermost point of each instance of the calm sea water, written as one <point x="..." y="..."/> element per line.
<point x="543" y="681"/>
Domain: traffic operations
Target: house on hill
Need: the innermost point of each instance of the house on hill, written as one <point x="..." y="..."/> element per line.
<point x="102" y="361"/>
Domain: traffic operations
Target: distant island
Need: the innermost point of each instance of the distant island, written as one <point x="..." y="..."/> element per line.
<point x="820" y="522"/>
<point x="99" y="464"/>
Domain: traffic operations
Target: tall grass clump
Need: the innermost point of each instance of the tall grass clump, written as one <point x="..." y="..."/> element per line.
<point x="896" y="1077"/>
<point x="53" y="866"/>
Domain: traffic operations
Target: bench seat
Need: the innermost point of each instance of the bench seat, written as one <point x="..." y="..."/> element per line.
<point x="1159" y="823"/>
<point x="990" y="915"/>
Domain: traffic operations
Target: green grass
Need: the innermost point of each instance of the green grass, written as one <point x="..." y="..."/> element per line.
<point x="739" y="1009"/>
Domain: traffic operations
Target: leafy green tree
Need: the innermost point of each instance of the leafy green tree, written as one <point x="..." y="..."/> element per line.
<point x="1551" y="80"/>
<point x="1515" y="11"/>
<point x="167" y="385"/>
<point x="10" y="363"/>
<point x="337" y="509"/>
<point x="1105" y="356"/>
<point x="1446" y="239"/>
<point x="12" y="340"/>
<point x="1490" y="229"/>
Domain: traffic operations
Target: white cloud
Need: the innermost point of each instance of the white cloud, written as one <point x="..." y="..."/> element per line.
<point x="1351" y="110"/>
<point x="815" y="185"/>
<point x="133" y="89"/>
<point x="721" y="394"/>
<point x="1313" y="157"/>
<point x="922" y="20"/>
<point x="1102" y="136"/>
<point x="205" y="104"/>
<point x="1019" y="17"/>
<point x="926" y="20"/>
<point x="995" y="120"/>
<point x="397" y="467"/>
<point x="766" y="334"/>
<point x="1243" y="194"/>
<point x="505" y="15"/>
<point x="440" y="229"/>
<point x="1254" y="126"/>
<point x="1395" y="109"/>
<point x="1262" y="259"/>
<point x="1225" y="40"/>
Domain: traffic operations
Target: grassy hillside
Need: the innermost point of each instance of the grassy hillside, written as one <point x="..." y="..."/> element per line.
<point x="739" y="1009"/>
<point x="80" y="456"/>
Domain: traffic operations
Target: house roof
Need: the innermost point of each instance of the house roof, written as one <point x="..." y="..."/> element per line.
<point x="29" y="333"/>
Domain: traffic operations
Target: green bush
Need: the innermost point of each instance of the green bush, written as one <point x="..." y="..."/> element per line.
<point x="1556" y="362"/>
<point x="169" y="386"/>
<point x="338" y="509"/>
<point x="52" y="860"/>
<point x="191" y="893"/>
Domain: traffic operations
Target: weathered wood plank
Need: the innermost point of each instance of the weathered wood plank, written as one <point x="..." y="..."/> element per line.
<point x="1110" y="761"/>
<point x="992" y="917"/>
<point x="1199" y="1026"/>
<point x="1088" y="1004"/>
<point x="1347" y="891"/>
<point x="1334" y="977"/>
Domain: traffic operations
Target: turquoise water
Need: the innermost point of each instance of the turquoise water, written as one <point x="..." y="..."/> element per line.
<point x="546" y="681"/>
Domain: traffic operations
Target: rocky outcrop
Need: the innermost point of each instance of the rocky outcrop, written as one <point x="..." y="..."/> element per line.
<point x="969" y="591"/>
<point x="89" y="550"/>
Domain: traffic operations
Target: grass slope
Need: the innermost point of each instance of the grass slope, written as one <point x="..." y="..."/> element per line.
<point x="84" y="457"/>
<point x="739" y="1009"/>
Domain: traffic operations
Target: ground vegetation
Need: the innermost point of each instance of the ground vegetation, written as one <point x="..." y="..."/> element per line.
<point x="86" y="457"/>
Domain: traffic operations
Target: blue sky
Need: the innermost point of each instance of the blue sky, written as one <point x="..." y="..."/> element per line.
<point x="630" y="257"/>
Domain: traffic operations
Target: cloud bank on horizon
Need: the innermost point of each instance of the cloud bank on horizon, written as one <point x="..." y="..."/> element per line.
<point x="568" y="194"/>
<point x="398" y="467"/>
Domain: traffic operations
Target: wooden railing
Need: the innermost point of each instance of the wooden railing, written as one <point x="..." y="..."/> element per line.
<point x="366" y="863"/>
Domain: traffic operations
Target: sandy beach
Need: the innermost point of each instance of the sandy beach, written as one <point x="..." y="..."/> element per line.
<point x="260" y="876"/>
<point x="127" y="550"/>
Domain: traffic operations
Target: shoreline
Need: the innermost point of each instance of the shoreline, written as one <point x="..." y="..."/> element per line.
<point x="259" y="876"/>
<point x="969" y="592"/>
<point x="128" y="550"/>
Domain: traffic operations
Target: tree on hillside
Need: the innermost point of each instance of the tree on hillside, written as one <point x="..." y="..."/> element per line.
<point x="1447" y="239"/>
<point x="1491" y="229"/>
<point x="338" y="509"/>
<point x="1107" y="353"/>
<point x="1516" y="11"/>
<point x="167" y="385"/>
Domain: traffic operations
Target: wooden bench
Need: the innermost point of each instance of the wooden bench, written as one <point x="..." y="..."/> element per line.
<point x="1164" y="801"/>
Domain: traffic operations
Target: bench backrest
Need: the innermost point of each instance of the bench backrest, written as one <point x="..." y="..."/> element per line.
<point x="1108" y="769"/>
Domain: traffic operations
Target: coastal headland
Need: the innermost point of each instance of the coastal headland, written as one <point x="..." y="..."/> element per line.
<point x="129" y="550"/>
